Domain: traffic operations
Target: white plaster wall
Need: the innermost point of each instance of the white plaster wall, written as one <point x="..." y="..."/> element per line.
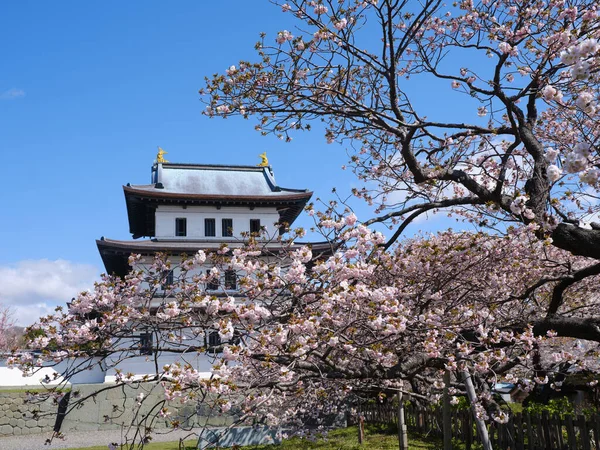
<point x="146" y="365"/>
<point x="10" y="376"/>
<point x="199" y="270"/>
<point x="14" y="377"/>
<point x="142" y="364"/>
<point x="138" y="365"/>
<point x="195" y="215"/>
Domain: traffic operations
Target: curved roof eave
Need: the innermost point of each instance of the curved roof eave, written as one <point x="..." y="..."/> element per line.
<point x="282" y="196"/>
<point x="141" y="204"/>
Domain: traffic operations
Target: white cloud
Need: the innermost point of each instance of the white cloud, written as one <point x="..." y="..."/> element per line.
<point x="34" y="287"/>
<point x="25" y="316"/>
<point x="11" y="94"/>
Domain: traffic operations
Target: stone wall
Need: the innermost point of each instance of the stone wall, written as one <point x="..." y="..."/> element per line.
<point x="17" y="415"/>
<point x="22" y="413"/>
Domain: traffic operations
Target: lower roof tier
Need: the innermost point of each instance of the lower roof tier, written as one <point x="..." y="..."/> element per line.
<point x="115" y="254"/>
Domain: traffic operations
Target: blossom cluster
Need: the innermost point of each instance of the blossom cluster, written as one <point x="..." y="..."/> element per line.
<point x="309" y="327"/>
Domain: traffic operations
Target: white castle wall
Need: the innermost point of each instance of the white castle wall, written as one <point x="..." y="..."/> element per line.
<point x="14" y="377"/>
<point x="195" y="215"/>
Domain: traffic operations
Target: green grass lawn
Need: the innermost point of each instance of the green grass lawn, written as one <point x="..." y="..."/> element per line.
<point x="376" y="438"/>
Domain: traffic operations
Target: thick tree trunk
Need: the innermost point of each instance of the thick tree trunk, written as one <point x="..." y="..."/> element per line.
<point x="481" y="428"/>
<point x="576" y="240"/>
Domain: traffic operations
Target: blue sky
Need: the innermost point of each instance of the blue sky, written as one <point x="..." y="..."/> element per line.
<point x="88" y="90"/>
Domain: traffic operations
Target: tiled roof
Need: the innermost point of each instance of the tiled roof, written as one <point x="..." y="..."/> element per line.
<point x="216" y="180"/>
<point x="197" y="184"/>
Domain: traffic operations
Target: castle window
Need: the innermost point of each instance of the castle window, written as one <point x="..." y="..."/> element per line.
<point x="209" y="227"/>
<point x="213" y="340"/>
<point x="181" y="226"/>
<point x="145" y="344"/>
<point x="255" y="226"/>
<point x="167" y="279"/>
<point x="211" y="285"/>
<point x="230" y="280"/>
<point x="227" y="227"/>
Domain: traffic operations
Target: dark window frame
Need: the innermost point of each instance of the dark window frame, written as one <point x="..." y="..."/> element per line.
<point x="212" y="340"/>
<point x="255" y="226"/>
<point x="181" y="226"/>
<point x="168" y="278"/>
<point x="146" y="344"/>
<point x="212" y="227"/>
<point x="230" y="281"/>
<point x="211" y="285"/>
<point x="227" y="227"/>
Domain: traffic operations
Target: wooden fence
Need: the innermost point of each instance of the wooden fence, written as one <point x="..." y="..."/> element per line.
<point x="523" y="431"/>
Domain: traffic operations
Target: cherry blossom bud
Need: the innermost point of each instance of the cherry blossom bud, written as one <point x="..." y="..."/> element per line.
<point x="284" y="36"/>
<point x="585" y="101"/>
<point x="506" y="48"/>
<point x="551" y="154"/>
<point x="575" y="162"/>
<point x="341" y="24"/>
<point x="590" y="176"/>
<point x="550" y="93"/>
<point x="553" y="172"/>
<point x="320" y="9"/>
<point x="518" y="204"/>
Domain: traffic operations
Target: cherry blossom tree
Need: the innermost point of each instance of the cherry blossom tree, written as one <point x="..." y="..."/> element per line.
<point x="533" y="80"/>
<point x="8" y="337"/>
<point x="308" y="335"/>
<point x="524" y="152"/>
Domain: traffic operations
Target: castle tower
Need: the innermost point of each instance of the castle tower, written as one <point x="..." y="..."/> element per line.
<point x="191" y="207"/>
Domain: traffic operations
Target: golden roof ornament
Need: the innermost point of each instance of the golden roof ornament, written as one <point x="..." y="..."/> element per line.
<point x="264" y="162"/>
<point x="159" y="156"/>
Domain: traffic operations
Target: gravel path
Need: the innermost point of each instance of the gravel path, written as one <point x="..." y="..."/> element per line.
<point x="77" y="439"/>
